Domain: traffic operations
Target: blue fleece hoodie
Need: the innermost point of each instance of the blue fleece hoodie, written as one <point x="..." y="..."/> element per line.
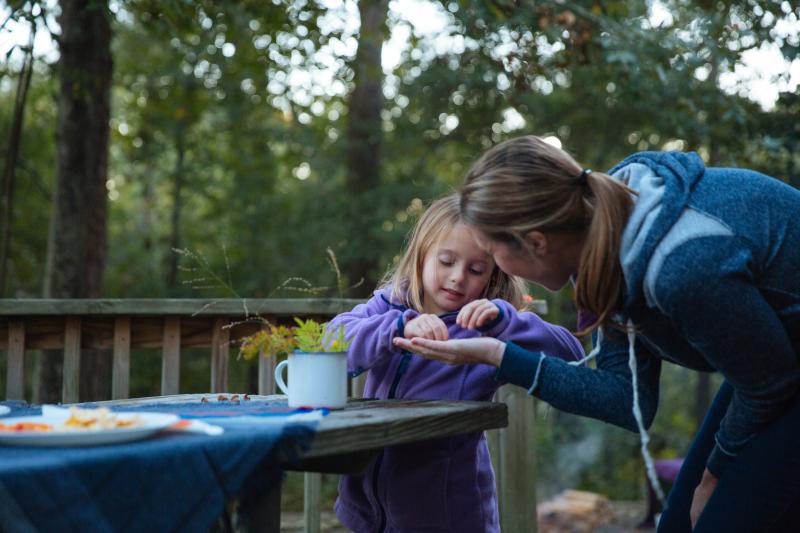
<point x="711" y="260"/>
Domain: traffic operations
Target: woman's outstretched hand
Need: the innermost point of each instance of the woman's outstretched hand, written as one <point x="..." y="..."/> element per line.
<point x="479" y="350"/>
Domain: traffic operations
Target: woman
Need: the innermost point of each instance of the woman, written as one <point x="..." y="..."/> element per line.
<point x="671" y="261"/>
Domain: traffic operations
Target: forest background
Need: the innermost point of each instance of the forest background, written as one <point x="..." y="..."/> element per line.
<point x="258" y="134"/>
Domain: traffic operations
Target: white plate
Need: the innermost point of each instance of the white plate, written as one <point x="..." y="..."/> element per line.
<point x="150" y="423"/>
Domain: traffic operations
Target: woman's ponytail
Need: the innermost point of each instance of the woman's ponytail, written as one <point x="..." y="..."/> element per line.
<point x="600" y="282"/>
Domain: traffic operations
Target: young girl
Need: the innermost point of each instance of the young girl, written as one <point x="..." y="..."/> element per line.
<point x="444" y="287"/>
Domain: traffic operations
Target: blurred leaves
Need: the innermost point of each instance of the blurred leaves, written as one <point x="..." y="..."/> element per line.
<point x="246" y="102"/>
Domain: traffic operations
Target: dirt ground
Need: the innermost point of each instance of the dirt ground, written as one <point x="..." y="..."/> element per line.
<point x="625" y="517"/>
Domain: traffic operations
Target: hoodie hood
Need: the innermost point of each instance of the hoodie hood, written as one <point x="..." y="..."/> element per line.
<point x="664" y="182"/>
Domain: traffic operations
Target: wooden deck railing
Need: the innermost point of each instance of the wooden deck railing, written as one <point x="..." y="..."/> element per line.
<point x="171" y="325"/>
<point x="120" y="325"/>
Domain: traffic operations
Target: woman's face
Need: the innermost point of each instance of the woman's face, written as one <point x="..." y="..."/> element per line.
<point x="548" y="263"/>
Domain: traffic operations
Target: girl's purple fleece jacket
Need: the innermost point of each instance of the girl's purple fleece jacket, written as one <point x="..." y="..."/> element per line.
<point x="438" y="485"/>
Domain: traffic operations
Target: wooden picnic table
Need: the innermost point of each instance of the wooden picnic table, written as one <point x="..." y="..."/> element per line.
<point x="129" y="325"/>
<point x="348" y="439"/>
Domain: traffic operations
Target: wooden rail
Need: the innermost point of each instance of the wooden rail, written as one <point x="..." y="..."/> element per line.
<point x="120" y="325"/>
<point x="171" y="325"/>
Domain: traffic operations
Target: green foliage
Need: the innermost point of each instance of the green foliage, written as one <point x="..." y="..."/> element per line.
<point x="308" y="336"/>
<point x="209" y="137"/>
<point x="312" y="336"/>
<point x="33" y="182"/>
<point x="273" y="341"/>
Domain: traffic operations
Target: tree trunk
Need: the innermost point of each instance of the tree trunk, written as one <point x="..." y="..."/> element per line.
<point x="364" y="136"/>
<point x="76" y="252"/>
<point x="12" y="154"/>
<point x="148" y="200"/>
<point x="175" y="238"/>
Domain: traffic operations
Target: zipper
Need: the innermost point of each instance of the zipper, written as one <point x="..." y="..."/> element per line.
<point x="375" y="471"/>
<point x="401" y="369"/>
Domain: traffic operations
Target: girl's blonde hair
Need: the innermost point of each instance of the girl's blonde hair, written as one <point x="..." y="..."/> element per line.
<point x="526" y="184"/>
<point x="405" y="279"/>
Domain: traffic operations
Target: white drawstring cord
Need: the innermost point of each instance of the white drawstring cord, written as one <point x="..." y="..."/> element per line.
<point x="637" y="414"/>
<point x="591" y="355"/>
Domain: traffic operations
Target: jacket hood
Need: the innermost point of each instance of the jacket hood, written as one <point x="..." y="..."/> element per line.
<point x="663" y="182"/>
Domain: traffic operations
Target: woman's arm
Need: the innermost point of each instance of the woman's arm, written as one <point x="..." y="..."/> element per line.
<point x="605" y="393"/>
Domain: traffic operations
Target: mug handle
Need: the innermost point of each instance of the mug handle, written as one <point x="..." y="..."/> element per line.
<point x="279" y="376"/>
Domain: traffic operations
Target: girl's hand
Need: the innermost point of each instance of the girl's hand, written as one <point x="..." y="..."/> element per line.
<point x="427" y="327"/>
<point x="477" y="313"/>
<point x="478" y="350"/>
<point x="701" y="495"/>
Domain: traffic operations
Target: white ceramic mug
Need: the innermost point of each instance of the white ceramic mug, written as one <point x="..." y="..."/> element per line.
<point x="316" y="379"/>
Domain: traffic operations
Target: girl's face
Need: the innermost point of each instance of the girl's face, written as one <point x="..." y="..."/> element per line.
<point x="454" y="273"/>
<point x="550" y="263"/>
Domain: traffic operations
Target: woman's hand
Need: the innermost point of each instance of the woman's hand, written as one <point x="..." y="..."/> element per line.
<point x="426" y="326"/>
<point x="477" y="313"/>
<point x="701" y="495"/>
<point x="479" y="350"/>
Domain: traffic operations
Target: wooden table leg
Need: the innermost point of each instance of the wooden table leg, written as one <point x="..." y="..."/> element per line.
<point x="264" y="514"/>
<point x="311" y="488"/>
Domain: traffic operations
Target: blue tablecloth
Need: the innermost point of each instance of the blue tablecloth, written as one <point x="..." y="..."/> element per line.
<point x="170" y="482"/>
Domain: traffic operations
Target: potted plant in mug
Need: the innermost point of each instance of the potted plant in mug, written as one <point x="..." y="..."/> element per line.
<point x="316" y="361"/>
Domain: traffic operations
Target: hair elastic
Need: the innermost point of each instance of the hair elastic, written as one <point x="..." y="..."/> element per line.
<point x="582" y="179"/>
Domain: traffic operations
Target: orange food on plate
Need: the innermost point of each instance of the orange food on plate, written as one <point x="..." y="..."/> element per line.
<point x="80" y="419"/>
<point x="96" y="419"/>
<point x="25" y="426"/>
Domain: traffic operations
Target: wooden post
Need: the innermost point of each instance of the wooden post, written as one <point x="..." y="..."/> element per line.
<point x="15" y="372"/>
<point x="171" y="356"/>
<point x="220" y="353"/>
<point x="70" y="388"/>
<point x="121" y="372"/>
<point x="357" y="385"/>
<point x="515" y="464"/>
<point x="514" y="456"/>
<point x="266" y="371"/>
<point x="311" y="510"/>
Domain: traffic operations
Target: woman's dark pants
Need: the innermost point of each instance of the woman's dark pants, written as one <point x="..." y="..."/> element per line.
<point x="759" y="490"/>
